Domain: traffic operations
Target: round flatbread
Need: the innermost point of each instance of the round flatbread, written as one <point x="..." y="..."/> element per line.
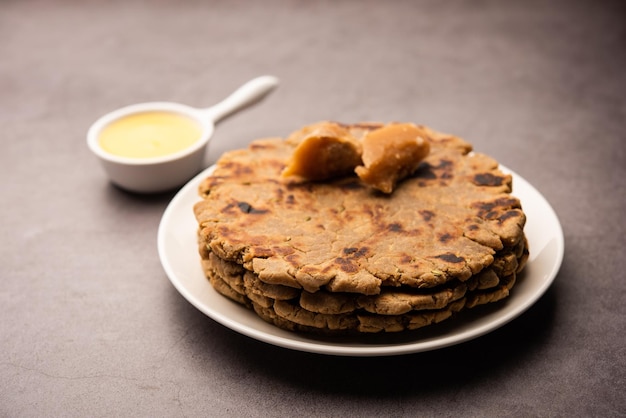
<point x="341" y="255"/>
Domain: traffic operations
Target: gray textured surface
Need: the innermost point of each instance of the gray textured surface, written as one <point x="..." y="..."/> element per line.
<point x="89" y="323"/>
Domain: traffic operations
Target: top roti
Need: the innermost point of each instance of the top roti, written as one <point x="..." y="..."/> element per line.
<point x="445" y="222"/>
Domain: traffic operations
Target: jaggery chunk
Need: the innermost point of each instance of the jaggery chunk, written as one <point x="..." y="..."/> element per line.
<point x="392" y="153"/>
<point x="381" y="155"/>
<point x="325" y="151"/>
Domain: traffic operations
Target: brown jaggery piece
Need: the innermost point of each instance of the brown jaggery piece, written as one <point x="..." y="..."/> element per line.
<point x="324" y="151"/>
<point x="381" y="155"/>
<point x="392" y="153"/>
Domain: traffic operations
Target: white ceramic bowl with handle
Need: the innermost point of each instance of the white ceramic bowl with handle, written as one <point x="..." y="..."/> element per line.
<point x="159" y="174"/>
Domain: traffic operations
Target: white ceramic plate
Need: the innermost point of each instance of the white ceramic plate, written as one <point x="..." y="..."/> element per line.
<point x="178" y="252"/>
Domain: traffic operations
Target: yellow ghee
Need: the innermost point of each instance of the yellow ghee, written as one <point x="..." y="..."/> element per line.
<point x="149" y="134"/>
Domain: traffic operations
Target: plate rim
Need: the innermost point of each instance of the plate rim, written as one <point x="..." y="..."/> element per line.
<point x="296" y="341"/>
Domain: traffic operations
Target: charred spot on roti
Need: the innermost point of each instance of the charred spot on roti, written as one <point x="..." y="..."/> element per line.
<point x="245" y="207"/>
<point x="450" y="258"/>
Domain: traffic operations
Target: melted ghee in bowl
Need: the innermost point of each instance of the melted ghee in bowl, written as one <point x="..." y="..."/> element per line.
<point x="149" y="134"/>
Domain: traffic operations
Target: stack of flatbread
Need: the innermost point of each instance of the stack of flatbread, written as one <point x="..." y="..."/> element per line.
<point x="340" y="257"/>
